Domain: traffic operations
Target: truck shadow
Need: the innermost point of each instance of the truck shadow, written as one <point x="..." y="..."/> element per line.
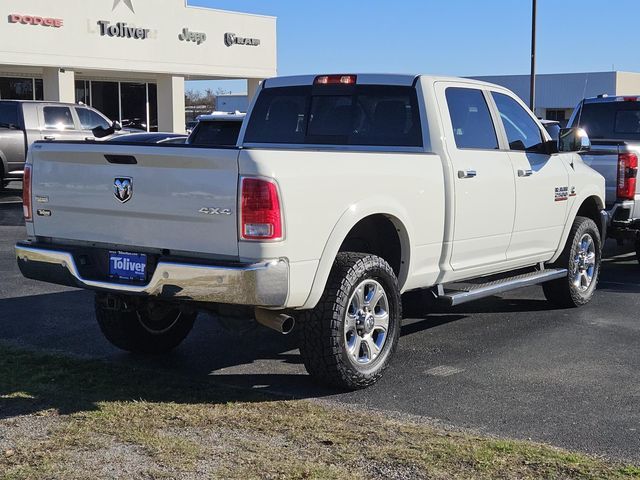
<point x="211" y="359"/>
<point x="60" y="327"/>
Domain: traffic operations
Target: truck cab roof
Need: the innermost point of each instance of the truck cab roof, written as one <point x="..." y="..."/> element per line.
<point x="45" y="102"/>
<point x="612" y="98"/>
<point x="367" y="79"/>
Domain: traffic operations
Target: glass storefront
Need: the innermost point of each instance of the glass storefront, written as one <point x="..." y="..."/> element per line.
<point x="134" y="105"/>
<point x="16" y="88"/>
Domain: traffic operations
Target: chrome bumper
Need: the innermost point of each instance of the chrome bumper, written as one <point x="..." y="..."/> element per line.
<point x="264" y="284"/>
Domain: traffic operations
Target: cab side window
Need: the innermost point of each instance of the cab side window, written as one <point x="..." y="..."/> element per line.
<point x="58" y="118"/>
<point x="470" y="118"/>
<point x="522" y="131"/>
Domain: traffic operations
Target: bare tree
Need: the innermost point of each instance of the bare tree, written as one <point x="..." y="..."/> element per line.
<point x="199" y="102"/>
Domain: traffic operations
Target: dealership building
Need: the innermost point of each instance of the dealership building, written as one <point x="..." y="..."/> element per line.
<point x="557" y="94"/>
<point x="128" y="58"/>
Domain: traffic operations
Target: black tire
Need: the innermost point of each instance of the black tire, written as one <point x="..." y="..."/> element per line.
<point x="144" y="330"/>
<point x="564" y="292"/>
<point x="637" y="246"/>
<point x="323" y="338"/>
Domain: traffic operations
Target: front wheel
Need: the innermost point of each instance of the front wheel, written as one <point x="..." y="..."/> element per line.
<point x="149" y="329"/>
<point x="581" y="257"/>
<point x="347" y="341"/>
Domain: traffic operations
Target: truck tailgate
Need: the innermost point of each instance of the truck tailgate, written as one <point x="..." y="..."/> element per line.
<point x="603" y="158"/>
<point x="182" y="199"/>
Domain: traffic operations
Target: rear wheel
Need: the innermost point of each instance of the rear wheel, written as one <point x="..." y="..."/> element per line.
<point x="348" y="340"/>
<point x="581" y="257"/>
<point x="150" y="328"/>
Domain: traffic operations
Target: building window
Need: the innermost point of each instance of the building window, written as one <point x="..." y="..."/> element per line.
<point x="134" y="105"/>
<point x="39" y="83"/>
<point x="153" y="107"/>
<point x="557" y="115"/>
<point x="83" y="93"/>
<point x="16" y="88"/>
<point x="105" y="97"/>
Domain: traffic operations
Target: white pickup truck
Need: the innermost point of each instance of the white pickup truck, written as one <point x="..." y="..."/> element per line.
<point x="344" y="192"/>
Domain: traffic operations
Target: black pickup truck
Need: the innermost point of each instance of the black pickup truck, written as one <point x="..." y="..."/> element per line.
<point x="613" y="125"/>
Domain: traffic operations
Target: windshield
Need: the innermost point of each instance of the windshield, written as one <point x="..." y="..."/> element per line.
<point x="373" y="115"/>
<point x="611" y="120"/>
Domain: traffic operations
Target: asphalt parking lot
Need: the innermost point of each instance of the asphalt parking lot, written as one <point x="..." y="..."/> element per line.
<point x="508" y="365"/>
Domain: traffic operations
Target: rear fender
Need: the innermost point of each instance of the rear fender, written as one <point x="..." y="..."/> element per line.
<point x="350" y="218"/>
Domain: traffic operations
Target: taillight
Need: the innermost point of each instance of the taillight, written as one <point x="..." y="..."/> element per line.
<point x="627" y="173"/>
<point x="260" y="214"/>
<point x="336" y="80"/>
<point x="26" y="193"/>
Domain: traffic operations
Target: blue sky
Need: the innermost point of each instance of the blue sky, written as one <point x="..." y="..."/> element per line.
<point x="452" y="37"/>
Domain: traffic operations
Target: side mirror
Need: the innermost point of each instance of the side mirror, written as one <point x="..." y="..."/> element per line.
<point x="573" y="140"/>
<point x="101" y="132"/>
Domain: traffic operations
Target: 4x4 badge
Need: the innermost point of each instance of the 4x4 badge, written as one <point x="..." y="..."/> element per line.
<point x="123" y="189"/>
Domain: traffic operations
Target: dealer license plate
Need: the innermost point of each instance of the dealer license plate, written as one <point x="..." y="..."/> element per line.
<point x="127" y="266"/>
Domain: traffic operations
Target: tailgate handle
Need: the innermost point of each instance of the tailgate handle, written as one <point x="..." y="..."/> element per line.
<point x="121" y="159"/>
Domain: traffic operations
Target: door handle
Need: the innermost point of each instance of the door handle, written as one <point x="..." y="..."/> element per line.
<point x="89" y="139"/>
<point x="49" y="137"/>
<point x="466" y="174"/>
<point x="525" y="173"/>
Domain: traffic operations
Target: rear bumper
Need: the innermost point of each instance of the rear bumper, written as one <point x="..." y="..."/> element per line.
<point x="621" y="218"/>
<point x="264" y="284"/>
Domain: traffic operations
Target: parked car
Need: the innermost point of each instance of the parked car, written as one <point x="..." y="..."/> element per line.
<point x="344" y="192"/>
<point x="552" y="127"/>
<point x="24" y="122"/>
<point x="152" y="137"/>
<point x="217" y="129"/>
<point x="613" y="124"/>
<point x="136" y="124"/>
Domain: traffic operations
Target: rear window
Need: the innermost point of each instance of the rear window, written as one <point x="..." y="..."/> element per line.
<point x="222" y="133"/>
<point x="611" y="120"/>
<point x="361" y="115"/>
<point x="9" y="114"/>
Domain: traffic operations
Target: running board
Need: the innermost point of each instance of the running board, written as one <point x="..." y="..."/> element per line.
<point x="459" y="293"/>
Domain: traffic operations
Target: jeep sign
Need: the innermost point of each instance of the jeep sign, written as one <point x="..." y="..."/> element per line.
<point x="33" y="20"/>
<point x="196" y="37"/>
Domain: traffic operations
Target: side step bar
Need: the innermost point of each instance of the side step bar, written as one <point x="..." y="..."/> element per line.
<point x="457" y="294"/>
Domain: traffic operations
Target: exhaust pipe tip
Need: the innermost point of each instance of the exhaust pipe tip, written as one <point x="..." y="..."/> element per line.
<point x="288" y="324"/>
<point x="280" y="322"/>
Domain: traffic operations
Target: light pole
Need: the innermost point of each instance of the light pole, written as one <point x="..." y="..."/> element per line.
<point x="532" y="88"/>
